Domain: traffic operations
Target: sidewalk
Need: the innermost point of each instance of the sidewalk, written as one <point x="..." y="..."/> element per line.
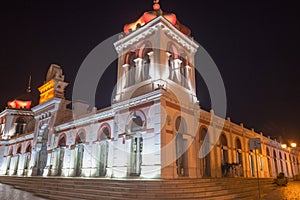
<point x="9" y="193"/>
<point x="289" y="192"/>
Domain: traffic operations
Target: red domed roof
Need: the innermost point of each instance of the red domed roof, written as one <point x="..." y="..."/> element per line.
<point x="24" y="101"/>
<point x="149" y="16"/>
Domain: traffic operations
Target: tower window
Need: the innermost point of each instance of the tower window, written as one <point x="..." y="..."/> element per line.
<point x="20" y="125"/>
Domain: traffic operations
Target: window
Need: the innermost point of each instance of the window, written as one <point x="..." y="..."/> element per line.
<point x="261" y="165"/>
<point x="20" y="125"/>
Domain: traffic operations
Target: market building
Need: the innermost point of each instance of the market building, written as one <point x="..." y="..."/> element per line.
<point x="154" y="128"/>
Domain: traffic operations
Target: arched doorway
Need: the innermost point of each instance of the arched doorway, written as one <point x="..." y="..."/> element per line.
<point x="61" y="154"/>
<point x="287" y="165"/>
<point x="291" y="163"/>
<point x="224" y="155"/>
<point x="275" y="163"/>
<point x="136" y="126"/>
<point x="103" y="138"/>
<point x="42" y="154"/>
<point x="281" y="162"/>
<point x="8" y="159"/>
<point x="239" y="157"/>
<point x="16" y="158"/>
<point x="27" y="158"/>
<point x="80" y="143"/>
<point x="181" y="148"/>
<point x="204" y="159"/>
<point x="269" y="162"/>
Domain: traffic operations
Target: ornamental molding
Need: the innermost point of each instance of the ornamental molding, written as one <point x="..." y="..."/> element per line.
<point x="93" y="118"/>
<point x="21" y="139"/>
<point x="152" y="96"/>
<point x="121" y="44"/>
<point x="177" y="36"/>
<point x="159" y="23"/>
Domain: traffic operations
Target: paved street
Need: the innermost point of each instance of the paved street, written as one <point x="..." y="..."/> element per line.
<point x="9" y="193"/>
<point x="289" y="192"/>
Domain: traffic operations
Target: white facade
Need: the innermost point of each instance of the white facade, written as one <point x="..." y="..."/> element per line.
<point x="154" y="129"/>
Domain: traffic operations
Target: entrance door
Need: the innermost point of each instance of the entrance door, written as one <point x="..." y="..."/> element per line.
<point x="270" y="167"/>
<point x="60" y="161"/>
<point x="103" y="146"/>
<point x="42" y="161"/>
<point x="251" y="159"/>
<point x="8" y="160"/>
<point x="181" y="155"/>
<point x="136" y="156"/>
<point x="276" y="166"/>
<point x="26" y="162"/>
<point x="80" y="150"/>
<point x="206" y="166"/>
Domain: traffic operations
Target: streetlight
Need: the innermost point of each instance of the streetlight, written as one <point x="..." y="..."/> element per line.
<point x="293" y="145"/>
<point x="289" y="147"/>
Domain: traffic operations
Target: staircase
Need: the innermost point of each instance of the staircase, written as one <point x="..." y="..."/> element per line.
<point x="100" y="188"/>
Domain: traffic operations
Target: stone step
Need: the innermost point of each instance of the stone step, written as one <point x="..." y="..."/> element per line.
<point x="101" y="188"/>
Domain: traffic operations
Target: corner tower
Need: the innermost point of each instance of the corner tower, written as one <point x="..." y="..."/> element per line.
<point x="51" y="111"/>
<point x="155" y="102"/>
<point x="156" y="51"/>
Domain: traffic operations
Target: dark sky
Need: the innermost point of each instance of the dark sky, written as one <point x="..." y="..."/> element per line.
<point x="254" y="43"/>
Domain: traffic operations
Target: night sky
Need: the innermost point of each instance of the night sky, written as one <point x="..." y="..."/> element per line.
<point x="254" y="43"/>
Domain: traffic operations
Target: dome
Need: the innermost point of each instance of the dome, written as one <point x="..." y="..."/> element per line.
<point x="24" y="101"/>
<point x="149" y="16"/>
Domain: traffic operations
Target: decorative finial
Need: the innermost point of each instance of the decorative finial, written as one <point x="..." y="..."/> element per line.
<point x="29" y="84"/>
<point x="156" y="6"/>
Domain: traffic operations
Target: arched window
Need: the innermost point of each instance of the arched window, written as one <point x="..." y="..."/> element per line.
<point x="129" y="60"/>
<point x="172" y="52"/>
<point x="19" y="149"/>
<point x="104" y="136"/>
<point x="20" y="125"/>
<point x="268" y="152"/>
<point x="144" y="51"/>
<point x="28" y="149"/>
<point x="81" y="138"/>
<point x="104" y="133"/>
<point x="275" y="162"/>
<point x="181" y="148"/>
<point x="239" y="157"/>
<point x="204" y="154"/>
<point x="10" y="151"/>
<point x="136" y="121"/>
<point x="180" y="125"/>
<point x="223" y="140"/>
<point x="269" y="162"/>
<point x="183" y="70"/>
<point x="286" y="164"/>
<point x="224" y="151"/>
<point x="281" y="161"/>
<point x="62" y="141"/>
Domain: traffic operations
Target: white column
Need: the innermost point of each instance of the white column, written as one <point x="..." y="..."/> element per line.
<point x="171" y="68"/>
<point x="124" y="79"/>
<point x="138" y="69"/>
<point x="150" y="68"/>
<point x="177" y="64"/>
<point x="188" y="78"/>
